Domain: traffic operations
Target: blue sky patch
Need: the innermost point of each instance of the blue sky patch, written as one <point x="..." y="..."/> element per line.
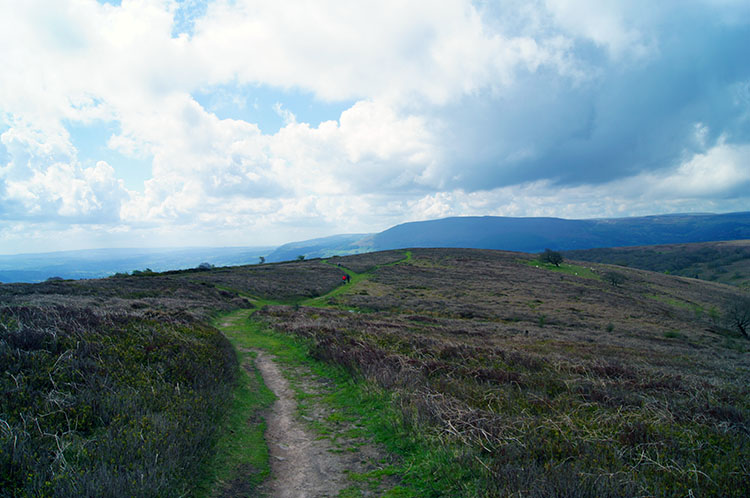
<point x="91" y="143"/>
<point x="260" y="105"/>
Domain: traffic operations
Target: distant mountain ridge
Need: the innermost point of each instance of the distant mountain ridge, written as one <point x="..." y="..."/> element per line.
<point x="479" y="232"/>
<point x="335" y="245"/>
<point x="536" y="234"/>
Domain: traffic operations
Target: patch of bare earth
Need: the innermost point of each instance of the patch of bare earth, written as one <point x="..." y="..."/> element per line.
<point x="304" y="463"/>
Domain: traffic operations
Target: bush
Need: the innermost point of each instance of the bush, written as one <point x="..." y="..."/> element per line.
<point x="550" y="256"/>
<point x="738" y="314"/>
<point x="107" y="404"/>
<point x="615" y="278"/>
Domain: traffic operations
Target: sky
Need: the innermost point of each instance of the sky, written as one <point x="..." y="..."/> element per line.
<point x="152" y="123"/>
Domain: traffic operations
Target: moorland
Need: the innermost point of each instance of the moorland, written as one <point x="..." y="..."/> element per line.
<point x="727" y="262"/>
<point x="484" y="373"/>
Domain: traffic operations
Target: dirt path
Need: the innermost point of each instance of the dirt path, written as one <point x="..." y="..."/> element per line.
<point x="304" y="464"/>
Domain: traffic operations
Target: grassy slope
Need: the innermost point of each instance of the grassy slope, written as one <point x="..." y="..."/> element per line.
<point x="485" y="374"/>
<point x="118" y="385"/>
<point x="541" y="382"/>
<point x="118" y="399"/>
<point x="724" y="262"/>
<point x="241" y="451"/>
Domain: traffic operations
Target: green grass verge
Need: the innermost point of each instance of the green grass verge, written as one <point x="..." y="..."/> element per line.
<point x="425" y="466"/>
<point x="241" y="458"/>
<point x="570" y="269"/>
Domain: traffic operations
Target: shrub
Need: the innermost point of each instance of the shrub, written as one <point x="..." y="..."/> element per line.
<point x="550" y="256"/>
<point x="615" y="278"/>
<point x="107" y="404"/>
<point x="738" y="314"/>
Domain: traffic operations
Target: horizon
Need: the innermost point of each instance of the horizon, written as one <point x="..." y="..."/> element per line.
<point x="160" y="124"/>
<point x="276" y="246"/>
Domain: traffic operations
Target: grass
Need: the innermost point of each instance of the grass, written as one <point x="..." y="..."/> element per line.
<point x="108" y="403"/>
<point x="565" y="268"/>
<point x="562" y="410"/>
<point x="727" y="262"/>
<point x="677" y="303"/>
<point x="450" y="414"/>
<point x="484" y="375"/>
<point x="375" y="411"/>
<point x="240" y="463"/>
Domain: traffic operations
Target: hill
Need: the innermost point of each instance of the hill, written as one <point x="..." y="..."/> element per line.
<point x="545" y="381"/>
<point x="488" y="232"/>
<point x="119" y="386"/>
<point x="488" y="373"/>
<point x="320" y="248"/>
<point x="536" y="234"/>
<point x="726" y="262"/>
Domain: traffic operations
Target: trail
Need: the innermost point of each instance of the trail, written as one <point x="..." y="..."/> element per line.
<point x="313" y="450"/>
<point x="305" y="464"/>
<point x="302" y="464"/>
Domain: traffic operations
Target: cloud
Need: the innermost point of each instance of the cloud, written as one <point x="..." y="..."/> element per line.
<point x="555" y="107"/>
<point x="361" y="50"/>
<point x="721" y="172"/>
<point x="614" y="25"/>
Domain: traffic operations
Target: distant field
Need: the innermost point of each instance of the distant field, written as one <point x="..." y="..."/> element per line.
<point x="725" y="262"/>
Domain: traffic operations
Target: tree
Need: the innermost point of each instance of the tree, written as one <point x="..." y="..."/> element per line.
<point x="615" y="278"/>
<point x="205" y="266"/>
<point x="550" y="256"/>
<point x="738" y="314"/>
<point x="300" y="257"/>
<point x="261" y="260"/>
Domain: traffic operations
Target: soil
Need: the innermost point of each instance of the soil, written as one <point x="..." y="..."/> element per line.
<point x="303" y="463"/>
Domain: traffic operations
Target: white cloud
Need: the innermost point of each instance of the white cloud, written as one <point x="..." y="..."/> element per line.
<point x="397" y="153"/>
<point x="722" y="171"/>
<point x="67" y="191"/>
<point x="377" y="50"/>
<point x="608" y="23"/>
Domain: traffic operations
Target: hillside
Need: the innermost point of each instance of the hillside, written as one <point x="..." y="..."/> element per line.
<point x="487" y="232"/>
<point x="320" y="248"/>
<point x="726" y="262"/>
<point x="118" y="386"/>
<point x="536" y="234"/>
<point x="487" y="373"/>
<point x="547" y="382"/>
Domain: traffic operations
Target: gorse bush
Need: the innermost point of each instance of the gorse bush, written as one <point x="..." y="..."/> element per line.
<point x="107" y="404"/>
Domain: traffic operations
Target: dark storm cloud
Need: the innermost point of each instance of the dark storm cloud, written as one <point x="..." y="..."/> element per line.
<point x="627" y="116"/>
